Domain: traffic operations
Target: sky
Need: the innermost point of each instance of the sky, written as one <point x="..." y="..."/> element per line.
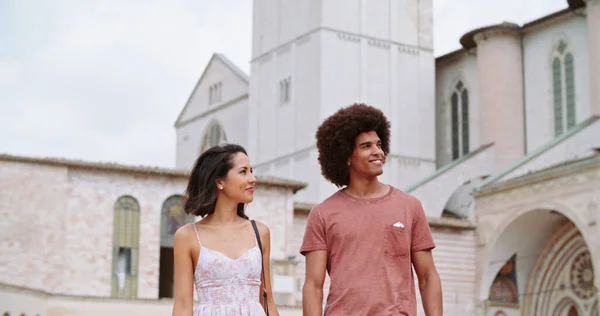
<point x="105" y="80"/>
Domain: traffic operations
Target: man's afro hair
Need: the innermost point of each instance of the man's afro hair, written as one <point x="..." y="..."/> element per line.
<point x="336" y="138"/>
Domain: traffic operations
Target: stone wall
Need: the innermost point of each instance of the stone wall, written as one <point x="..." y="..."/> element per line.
<point x="454" y="258"/>
<point x="59" y="227"/>
<point x="57" y="222"/>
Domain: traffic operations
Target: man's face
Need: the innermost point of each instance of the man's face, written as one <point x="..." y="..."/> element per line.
<point x="367" y="158"/>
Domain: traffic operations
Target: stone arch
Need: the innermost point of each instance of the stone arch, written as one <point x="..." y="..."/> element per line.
<point x="565" y="306"/>
<point x="550" y="214"/>
<point x="460" y="201"/>
<point x="563" y="272"/>
<point x="510" y="218"/>
<point x="547" y="205"/>
<point x="450" y="85"/>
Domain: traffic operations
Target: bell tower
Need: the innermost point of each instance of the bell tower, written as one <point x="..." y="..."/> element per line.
<point x="312" y="57"/>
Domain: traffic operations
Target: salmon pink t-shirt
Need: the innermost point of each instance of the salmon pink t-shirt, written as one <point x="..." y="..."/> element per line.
<point x="369" y="244"/>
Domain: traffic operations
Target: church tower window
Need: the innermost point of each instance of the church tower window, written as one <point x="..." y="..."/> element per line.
<point x="126" y="239"/>
<point x="214" y="135"/>
<point x="215" y="93"/>
<point x="563" y="88"/>
<point x="285" y="90"/>
<point x="460" y="120"/>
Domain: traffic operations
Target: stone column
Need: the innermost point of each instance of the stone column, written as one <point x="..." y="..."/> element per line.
<point x="500" y="69"/>
<point x="593" y="23"/>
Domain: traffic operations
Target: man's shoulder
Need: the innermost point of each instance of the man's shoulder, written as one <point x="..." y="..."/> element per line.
<point x="331" y="202"/>
<point x="404" y="198"/>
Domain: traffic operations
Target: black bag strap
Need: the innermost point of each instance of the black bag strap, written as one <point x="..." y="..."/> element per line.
<point x="264" y="289"/>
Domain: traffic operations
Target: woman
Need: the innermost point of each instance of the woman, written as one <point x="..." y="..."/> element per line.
<point x="220" y="254"/>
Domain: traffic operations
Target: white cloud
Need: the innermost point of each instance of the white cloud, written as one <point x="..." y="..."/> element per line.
<point x="108" y="81"/>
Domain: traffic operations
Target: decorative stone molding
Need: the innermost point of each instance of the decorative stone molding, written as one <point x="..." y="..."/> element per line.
<point x="484" y="36"/>
<point x="576" y="172"/>
<point x="408" y="50"/>
<point x="468" y="41"/>
<point x="265" y="58"/>
<point x="348" y="37"/>
<point x="563" y="270"/>
<point x="592" y="212"/>
<point x="303" y="39"/>
<point x="409" y="161"/>
<point x="484" y="232"/>
<point x="378" y="43"/>
<point x="283" y="49"/>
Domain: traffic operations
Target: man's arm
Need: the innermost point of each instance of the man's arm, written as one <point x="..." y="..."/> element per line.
<point x="312" y="291"/>
<point x="430" y="285"/>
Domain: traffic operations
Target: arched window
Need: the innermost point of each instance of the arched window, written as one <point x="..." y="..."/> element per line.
<point x="563" y="88"/>
<point x="504" y="288"/>
<point x="172" y="218"/>
<point x="460" y="120"/>
<point x="126" y="240"/>
<point x="214" y="135"/>
<point x="573" y="311"/>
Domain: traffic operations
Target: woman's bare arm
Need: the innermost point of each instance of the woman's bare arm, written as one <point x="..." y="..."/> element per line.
<point x="183" y="304"/>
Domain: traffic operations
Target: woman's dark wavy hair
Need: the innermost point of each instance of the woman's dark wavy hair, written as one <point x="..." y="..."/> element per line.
<point x="336" y="138"/>
<point x="201" y="192"/>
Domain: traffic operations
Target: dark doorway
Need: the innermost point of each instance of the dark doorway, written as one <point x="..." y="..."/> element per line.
<point x="166" y="280"/>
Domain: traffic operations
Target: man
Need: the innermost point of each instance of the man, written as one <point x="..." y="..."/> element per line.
<point x="368" y="235"/>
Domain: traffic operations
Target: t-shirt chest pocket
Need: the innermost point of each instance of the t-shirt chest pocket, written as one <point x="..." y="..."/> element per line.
<point x="397" y="240"/>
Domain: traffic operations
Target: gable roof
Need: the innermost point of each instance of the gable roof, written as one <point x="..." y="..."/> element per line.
<point x="542" y="149"/>
<point x="225" y="61"/>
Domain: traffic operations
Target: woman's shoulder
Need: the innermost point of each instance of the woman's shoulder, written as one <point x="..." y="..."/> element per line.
<point x="183" y="234"/>
<point x="263" y="229"/>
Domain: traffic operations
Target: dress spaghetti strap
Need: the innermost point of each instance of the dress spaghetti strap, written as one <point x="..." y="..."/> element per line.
<point x="196" y="231"/>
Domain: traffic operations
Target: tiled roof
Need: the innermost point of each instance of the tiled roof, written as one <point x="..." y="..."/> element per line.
<point x="121" y="168"/>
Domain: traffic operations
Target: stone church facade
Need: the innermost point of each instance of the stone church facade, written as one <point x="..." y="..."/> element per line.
<point x="499" y="140"/>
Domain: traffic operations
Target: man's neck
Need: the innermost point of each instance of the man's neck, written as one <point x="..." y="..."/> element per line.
<point x="366" y="189"/>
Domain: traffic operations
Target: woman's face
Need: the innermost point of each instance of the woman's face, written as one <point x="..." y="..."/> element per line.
<point x="239" y="183"/>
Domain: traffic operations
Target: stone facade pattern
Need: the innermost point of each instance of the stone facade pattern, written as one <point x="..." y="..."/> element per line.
<point x="569" y="191"/>
<point x="57" y="227"/>
<point x="454" y="258"/>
